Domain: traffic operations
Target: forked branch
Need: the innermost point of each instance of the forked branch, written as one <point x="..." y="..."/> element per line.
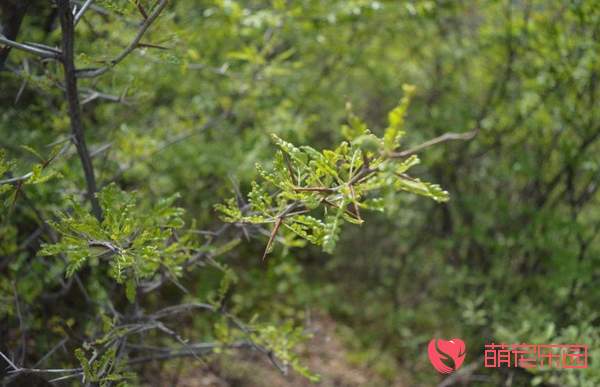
<point x="135" y="43"/>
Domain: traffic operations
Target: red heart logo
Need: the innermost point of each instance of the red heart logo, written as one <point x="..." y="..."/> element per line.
<point x="446" y="356"/>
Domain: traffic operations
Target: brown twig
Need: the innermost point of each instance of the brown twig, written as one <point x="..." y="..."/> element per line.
<point x="314" y="189"/>
<point x="450" y="136"/>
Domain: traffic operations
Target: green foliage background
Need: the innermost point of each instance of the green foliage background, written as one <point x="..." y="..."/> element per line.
<point x="511" y="257"/>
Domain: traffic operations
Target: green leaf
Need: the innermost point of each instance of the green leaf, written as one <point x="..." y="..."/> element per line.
<point x="419" y="187"/>
<point x="332" y="231"/>
<point x="394" y="132"/>
<point x="407" y="164"/>
<point x="130" y="290"/>
<point x="33" y="152"/>
<point x="229" y="211"/>
<point x="295" y="153"/>
<point x="83" y="361"/>
<point x="368" y="143"/>
<point x="38" y="176"/>
<point x="356" y="127"/>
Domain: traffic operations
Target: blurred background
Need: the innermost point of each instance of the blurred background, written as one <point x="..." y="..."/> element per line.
<point x="512" y="257"/>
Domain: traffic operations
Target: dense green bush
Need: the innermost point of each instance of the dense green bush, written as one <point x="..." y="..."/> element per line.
<point x="129" y="124"/>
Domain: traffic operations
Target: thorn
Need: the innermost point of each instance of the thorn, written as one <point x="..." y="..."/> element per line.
<point x="272" y="237"/>
<point x="140" y="8"/>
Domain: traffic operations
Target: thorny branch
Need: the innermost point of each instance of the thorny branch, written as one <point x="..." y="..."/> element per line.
<point x="68" y="37"/>
<point x="362" y="175"/>
<point x="81" y="11"/>
<point x="32" y="48"/>
<point x="149" y="322"/>
<point x="135" y="43"/>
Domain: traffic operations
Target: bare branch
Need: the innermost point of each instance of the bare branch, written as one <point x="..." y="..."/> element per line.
<point x="54" y="349"/>
<point x="189" y="350"/>
<point x="79" y="14"/>
<point x="16" y="179"/>
<point x="17" y="370"/>
<point x="36" y="49"/>
<point x="443" y="138"/>
<point x="44" y="47"/>
<point x="10" y="363"/>
<point x="179" y="309"/>
<point x="91" y="95"/>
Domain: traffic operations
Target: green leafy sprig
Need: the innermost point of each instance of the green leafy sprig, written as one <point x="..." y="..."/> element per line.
<point x="312" y="193"/>
<point x="135" y="242"/>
